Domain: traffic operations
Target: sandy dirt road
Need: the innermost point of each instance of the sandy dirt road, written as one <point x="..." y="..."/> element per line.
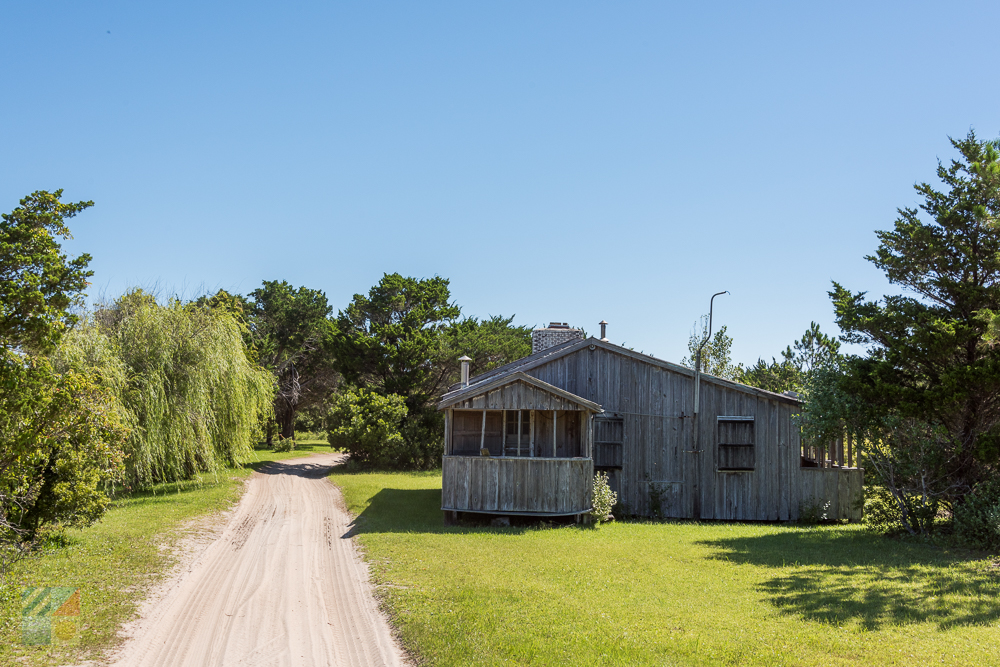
<point x="281" y="585"/>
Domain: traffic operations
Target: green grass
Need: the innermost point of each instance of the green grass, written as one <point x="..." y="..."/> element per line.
<point x="118" y="559"/>
<point x="666" y="593"/>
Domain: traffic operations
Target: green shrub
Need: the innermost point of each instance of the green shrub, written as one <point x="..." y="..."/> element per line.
<point x="977" y="520"/>
<point x="283" y="444"/>
<point x="604" y="498"/>
<point x="881" y="511"/>
<point x="367" y="426"/>
<point x="813" y="511"/>
<point x="61" y="446"/>
<point x="423" y="431"/>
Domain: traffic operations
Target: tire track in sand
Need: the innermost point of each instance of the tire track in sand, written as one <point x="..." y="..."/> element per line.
<point x="280" y="586"/>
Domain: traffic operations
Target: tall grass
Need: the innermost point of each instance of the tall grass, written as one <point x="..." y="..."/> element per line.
<point x="181" y="375"/>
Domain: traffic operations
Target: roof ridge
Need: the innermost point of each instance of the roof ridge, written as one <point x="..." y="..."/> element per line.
<point x="539" y="358"/>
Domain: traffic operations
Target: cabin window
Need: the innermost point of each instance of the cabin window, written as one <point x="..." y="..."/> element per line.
<point x="736" y="443"/>
<point x="609" y="439"/>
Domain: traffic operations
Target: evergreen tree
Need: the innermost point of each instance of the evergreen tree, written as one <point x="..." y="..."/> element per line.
<point x="929" y="386"/>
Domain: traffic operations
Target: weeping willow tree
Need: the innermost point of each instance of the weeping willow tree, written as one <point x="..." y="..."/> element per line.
<point x="180" y="371"/>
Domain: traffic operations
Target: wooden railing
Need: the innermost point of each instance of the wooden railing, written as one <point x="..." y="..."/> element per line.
<point x="517" y="485"/>
<point x="836" y="453"/>
<point x="842" y="488"/>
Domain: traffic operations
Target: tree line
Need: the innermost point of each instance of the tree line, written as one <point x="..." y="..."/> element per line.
<point x="922" y="399"/>
<point x="137" y="391"/>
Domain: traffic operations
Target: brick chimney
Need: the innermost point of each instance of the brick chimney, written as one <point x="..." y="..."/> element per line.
<point x="556" y="333"/>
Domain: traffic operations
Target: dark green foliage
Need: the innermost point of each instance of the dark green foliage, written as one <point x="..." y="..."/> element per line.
<point x="813" y="512"/>
<point x="389" y="340"/>
<point x="404" y="340"/>
<point x="367" y="426"/>
<point x="977" y="518"/>
<point x="490" y="343"/>
<point x="716" y="357"/>
<point x="60" y="433"/>
<point x="813" y="351"/>
<point x="315" y="418"/>
<point x="38" y="284"/>
<point x="777" y="376"/>
<point x="292" y="336"/>
<point x="926" y="393"/>
<point x="61" y="444"/>
<point x="881" y="511"/>
<point x="392" y="342"/>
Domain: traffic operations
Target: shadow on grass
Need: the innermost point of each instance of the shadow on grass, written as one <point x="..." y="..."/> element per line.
<point x="419" y="511"/>
<point x="837" y="576"/>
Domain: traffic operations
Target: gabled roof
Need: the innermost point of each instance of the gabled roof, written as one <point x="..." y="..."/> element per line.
<point x="545" y="356"/>
<point x="465" y="393"/>
<point x="520" y="363"/>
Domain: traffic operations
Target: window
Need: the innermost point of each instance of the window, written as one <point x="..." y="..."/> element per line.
<point x="736" y="443"/>
<point x="609" y="438"/>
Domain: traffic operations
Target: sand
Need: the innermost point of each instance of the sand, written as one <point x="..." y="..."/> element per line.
<point x="281" y="584"/>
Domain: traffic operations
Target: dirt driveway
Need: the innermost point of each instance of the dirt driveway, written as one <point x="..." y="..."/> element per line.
<point x="280" y="585"/>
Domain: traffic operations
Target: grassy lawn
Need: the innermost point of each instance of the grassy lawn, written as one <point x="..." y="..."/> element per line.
<point x="117" y="560"/>
<point x="667" y="593"/>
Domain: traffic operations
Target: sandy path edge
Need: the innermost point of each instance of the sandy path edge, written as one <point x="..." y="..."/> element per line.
<point x="274" y="581"/>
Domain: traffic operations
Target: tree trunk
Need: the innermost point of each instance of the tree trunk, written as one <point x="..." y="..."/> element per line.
<point x="286" y="421"/>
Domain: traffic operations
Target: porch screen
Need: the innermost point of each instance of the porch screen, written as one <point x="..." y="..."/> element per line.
<point x="566" y="432"/>
<point x="518" y="433"/>
<point x="467" y="432"/>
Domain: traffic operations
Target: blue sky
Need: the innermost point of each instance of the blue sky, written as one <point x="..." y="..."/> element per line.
<point x="570" y="161"/>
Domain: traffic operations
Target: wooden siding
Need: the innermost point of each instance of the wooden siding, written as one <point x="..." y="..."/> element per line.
<point x="513" y="485"/>
<point x="841" y="487"/>
<point x="662" y="465"/>
<point x="517" y="395"/>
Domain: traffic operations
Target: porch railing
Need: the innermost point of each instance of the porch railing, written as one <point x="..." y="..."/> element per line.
<point x="517" y="485"/>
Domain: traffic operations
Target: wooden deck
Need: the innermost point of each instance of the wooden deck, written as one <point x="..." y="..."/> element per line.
<point x="542" y="486"/>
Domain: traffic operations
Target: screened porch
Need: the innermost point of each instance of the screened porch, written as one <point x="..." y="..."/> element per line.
<point x="519" y="433"/>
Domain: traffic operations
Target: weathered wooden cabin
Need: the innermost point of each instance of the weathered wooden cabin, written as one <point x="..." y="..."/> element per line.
<point x="527" y="439"/>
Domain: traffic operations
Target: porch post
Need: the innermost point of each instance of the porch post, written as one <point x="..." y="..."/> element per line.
<point x="482" y="433"/>
<point x="503" y="440"/>
<point x="449" y="424"/>
<point x="531" y="434"/>
<point x="519" y="433"/>
<point x="555" y="420"/>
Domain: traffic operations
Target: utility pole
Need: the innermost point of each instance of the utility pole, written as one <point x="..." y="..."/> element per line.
<point x="696" y="449"/>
